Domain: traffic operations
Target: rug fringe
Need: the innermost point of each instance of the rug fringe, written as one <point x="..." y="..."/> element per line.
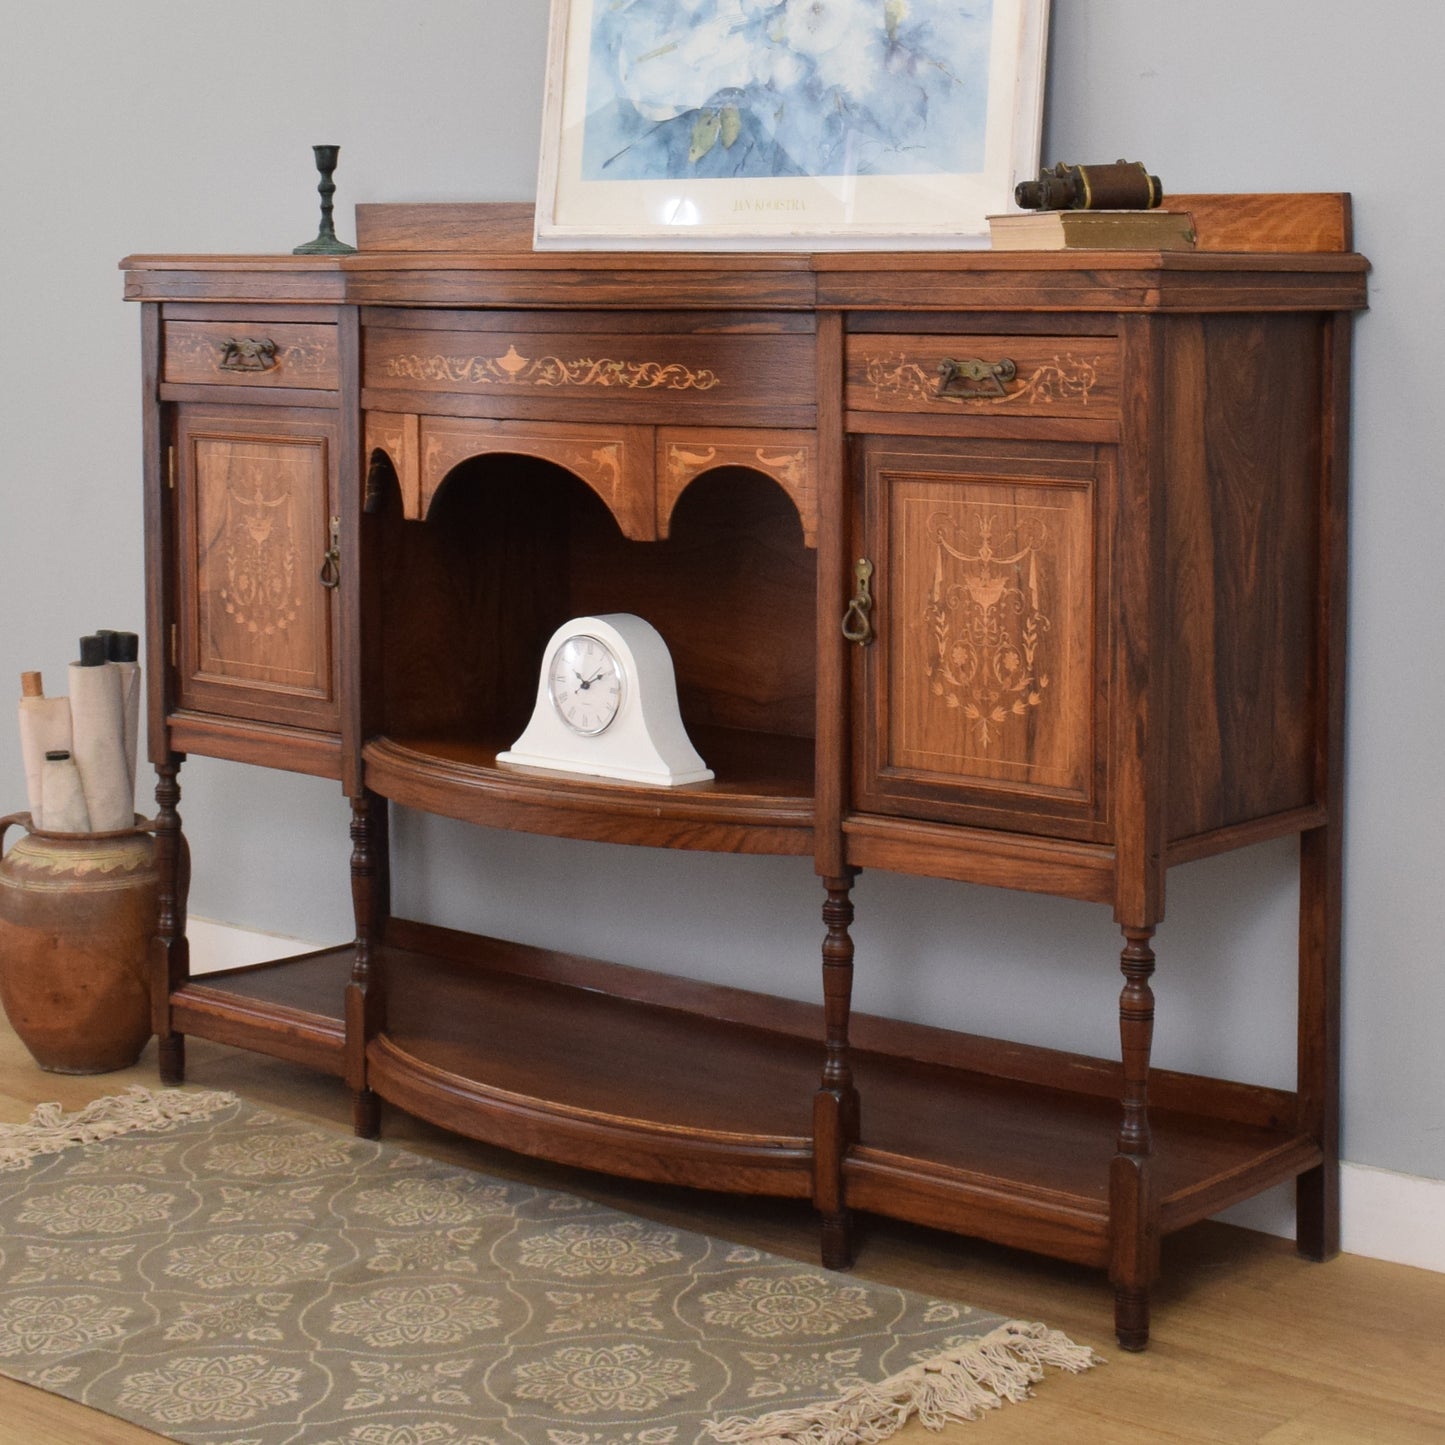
<point x="49" y="1130"/>
<point x="958" y="1384"/>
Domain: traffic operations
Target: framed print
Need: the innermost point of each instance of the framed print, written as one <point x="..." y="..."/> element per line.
<point x="787" y="124"/>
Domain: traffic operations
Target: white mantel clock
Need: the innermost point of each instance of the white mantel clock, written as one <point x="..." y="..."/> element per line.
<point x="607" y="707"/>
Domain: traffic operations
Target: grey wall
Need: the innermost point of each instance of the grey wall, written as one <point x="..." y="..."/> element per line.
<point x="185" y="125"/>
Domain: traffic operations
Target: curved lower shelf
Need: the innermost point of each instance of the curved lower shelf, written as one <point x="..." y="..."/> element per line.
<point x="760" y="802"/>
<point x="510" y="1046"/>
<point x="543" y="1128"/>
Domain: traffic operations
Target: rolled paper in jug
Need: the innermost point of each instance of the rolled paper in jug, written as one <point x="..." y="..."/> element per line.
<point x="123" y="650"/>
<point x="44" y="728"/>
<point x="62" y="805"/>
<point x="97" y="723"/>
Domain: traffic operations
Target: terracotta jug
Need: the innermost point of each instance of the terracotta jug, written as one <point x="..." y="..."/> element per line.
<point x="77" y="920"/>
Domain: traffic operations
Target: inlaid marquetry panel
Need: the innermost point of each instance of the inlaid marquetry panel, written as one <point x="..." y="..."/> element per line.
<point x="984" y="682"/>
<point x="788" y="457"/>
<point x="1043" y="376"/>
<point x="992" y="666"/>
<point x="255" y="622"/>
<point x="399" y="436"/>
<point x="615" y="461"/>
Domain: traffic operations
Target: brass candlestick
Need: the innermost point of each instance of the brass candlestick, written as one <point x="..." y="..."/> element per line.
<point x="325" y="243"/>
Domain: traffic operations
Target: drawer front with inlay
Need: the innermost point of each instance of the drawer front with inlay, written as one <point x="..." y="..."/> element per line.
<point x="251" y="353"/>
<point x="649" y="377"/>
<point x="1072" y="376"/>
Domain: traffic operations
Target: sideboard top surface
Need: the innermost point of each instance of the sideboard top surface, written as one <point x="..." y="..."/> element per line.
<point x="1255" y="253"/>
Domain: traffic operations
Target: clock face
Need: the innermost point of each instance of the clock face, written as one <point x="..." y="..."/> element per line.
<point x="585" y="682"/>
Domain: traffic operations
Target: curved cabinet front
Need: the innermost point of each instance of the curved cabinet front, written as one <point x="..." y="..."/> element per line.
<point x="761" y="803"/>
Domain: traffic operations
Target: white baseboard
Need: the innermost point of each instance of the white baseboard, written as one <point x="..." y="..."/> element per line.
<point x="215" y="946"/>
<point x="1383" y="1215"/>
<point x="1398" y="1217"/>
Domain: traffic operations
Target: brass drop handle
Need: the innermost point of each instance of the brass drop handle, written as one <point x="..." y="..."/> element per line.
<point x="245" y="353"/>
<point x="966" y="377"/>
<point x="331" y="563"/>
<point x="858" y="619"/>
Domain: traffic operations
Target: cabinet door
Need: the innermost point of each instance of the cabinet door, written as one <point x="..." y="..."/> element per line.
<point x="983" y="696"/>
<point x="255" y="502"/>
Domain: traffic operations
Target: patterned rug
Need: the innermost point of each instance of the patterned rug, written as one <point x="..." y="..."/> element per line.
<point x="219" y="1273"/>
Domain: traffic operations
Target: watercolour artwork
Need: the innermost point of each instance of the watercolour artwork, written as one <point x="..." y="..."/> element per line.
<point x="679" y="122"/>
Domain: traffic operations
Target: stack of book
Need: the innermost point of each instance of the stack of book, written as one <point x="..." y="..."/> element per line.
<point x="1093" y="231"/>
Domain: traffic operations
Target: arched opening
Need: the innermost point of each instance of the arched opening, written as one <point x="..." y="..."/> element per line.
<point x="513" y="546"/>
<point x="740" y="586"/>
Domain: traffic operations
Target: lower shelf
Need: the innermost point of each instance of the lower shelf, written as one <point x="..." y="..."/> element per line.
<point x="630" y="1072"/>
<point x="1027" y="1164"/>
<point x="501" y="1047"/>
<point x="289" y="1009"/>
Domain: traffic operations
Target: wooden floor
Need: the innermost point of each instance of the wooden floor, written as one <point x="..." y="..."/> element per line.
<point x="1250" y="1342"/>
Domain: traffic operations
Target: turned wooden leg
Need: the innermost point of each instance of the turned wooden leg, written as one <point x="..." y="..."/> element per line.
<point x="171" y="959"/>
<point x="1317" y="1193"/>
<point x="1133" y="1218"/>
<point x="365" y="993"/>
<point x="366" y="1114"/>
<point x="835" y="1105"/>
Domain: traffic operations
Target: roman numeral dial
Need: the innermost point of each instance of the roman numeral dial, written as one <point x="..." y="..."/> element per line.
<point x="585" y="682"/>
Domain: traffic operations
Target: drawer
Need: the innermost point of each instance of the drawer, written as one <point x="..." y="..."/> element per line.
<point x="251" y="353"/>
<point x="1020" y="375"/>
<point x="647" y="376"/>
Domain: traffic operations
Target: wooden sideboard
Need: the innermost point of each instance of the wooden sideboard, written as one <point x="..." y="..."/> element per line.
<point x="1017" y="569"/>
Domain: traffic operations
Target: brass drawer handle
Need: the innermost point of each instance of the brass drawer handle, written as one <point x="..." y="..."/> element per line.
<point x="245" y="353"/>
<point x="961" y="380"/>
<point x="331" y="564"/>
<point x="858" y="619"/>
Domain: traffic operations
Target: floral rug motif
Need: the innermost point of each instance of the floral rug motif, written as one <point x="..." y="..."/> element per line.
<point x="220" y="1273"/>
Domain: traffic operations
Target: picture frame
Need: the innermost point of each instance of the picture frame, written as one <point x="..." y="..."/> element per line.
<point x="787" y="124"/>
